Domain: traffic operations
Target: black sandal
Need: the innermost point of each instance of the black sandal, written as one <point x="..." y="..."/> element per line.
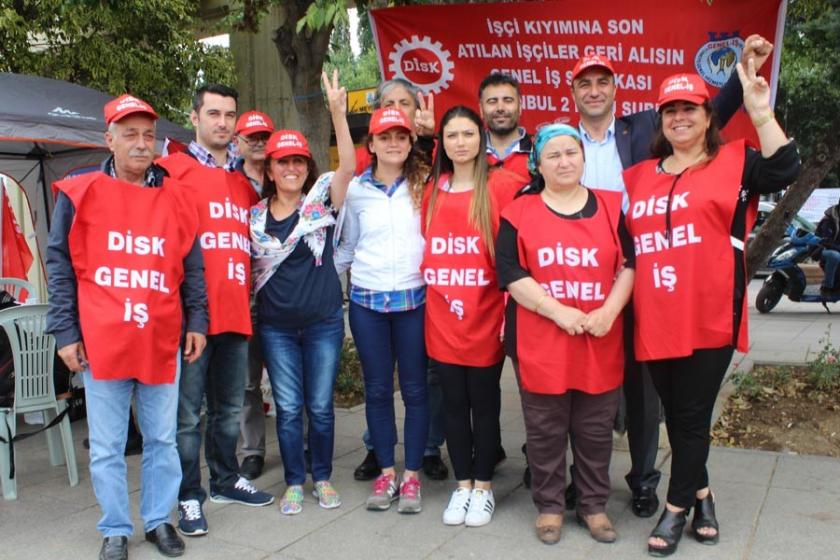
<point x="704" y="518"/>
<point x="670" y="529"/>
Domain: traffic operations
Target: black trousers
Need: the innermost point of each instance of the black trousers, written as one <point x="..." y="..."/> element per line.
<point x="642" y="414"/>
<point x="688" y="388"/>
<point x="471" y="402"/>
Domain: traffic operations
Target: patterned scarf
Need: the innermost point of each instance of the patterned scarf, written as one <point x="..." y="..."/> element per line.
<point x="268" y="252"/>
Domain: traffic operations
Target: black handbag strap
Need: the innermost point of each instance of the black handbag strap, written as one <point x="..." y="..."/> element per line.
<point x="20" y="437"/>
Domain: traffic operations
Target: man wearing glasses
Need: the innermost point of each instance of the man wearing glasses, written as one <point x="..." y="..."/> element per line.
<point x="252" y="131"/>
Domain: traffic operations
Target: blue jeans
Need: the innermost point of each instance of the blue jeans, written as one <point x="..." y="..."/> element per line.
<point x="437" y="419"/>
<point x="220" y="374"/>
<point x="302" y="366"/>
<point x="831" y="260"/>
<point x="108" y="404"/>
<point x="383" y="339"/>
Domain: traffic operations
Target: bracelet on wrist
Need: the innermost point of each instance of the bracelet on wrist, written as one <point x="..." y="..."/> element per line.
<point x="764" y="119"/>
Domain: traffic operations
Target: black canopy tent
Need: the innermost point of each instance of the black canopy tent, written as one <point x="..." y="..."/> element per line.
<point x="49" y="128"/>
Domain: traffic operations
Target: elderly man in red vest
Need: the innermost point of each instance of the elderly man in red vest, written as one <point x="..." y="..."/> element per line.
<point x="123" y="260"/>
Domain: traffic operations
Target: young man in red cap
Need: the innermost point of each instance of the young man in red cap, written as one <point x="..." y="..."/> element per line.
<point x="121" y="258"/>
<point x="223" y="198"/>
<point x="252" y="132"/>
<point x="612" y="144"/>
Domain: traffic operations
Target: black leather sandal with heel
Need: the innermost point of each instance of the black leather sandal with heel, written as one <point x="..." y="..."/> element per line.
<point x="670" y="529"/>
<point x="704" y="518"/>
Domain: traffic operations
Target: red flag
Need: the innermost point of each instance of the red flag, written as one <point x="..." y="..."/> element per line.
<point x="172" y="146"/>
<point x="17" y="258"/>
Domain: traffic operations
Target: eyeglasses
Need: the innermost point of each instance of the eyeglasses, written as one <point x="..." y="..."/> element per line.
<point x="253" y="140"/>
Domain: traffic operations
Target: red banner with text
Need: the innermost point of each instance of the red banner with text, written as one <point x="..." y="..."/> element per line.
<point x="449" y="49"/>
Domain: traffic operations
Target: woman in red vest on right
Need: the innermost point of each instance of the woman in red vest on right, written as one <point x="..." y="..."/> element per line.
<point x="690" y="210"/>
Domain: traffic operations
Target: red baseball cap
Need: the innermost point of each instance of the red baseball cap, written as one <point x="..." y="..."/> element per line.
<point x="124" y="105"/>
<point x="387" y="118"/>
<point x="285" y="143"/>
<point x="683" y="87"/>
<point x="253" y="122"/>
<point x="590" y="60"/>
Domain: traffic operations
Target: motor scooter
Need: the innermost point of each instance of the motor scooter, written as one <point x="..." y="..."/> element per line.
<point x="788" y="276"/>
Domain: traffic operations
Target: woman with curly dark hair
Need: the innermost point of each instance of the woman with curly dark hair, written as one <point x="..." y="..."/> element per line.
<point x="381" y="240"/>
<point x="299" y="303"/>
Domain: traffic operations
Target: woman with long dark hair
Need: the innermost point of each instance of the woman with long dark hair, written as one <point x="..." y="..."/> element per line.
<point x="398" y="93"/>
<point x="690" y="210"/>
<point x="464" y="307"/>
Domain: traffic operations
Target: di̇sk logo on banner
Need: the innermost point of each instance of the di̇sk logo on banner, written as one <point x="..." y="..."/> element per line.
<point x="422" y="62"/>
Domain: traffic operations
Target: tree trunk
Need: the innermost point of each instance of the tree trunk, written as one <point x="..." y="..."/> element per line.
<point x="302" y="55"/>
<point x="813" y="172"/>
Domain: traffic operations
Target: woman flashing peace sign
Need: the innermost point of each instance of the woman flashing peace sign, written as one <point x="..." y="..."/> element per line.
<point x="299" y="302"/>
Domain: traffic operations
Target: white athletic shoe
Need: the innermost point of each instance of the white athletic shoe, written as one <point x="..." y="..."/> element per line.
<point x="481" y="508"/>
<point x="459" y="503"/>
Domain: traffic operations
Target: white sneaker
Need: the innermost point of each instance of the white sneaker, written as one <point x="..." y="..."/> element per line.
<point x="459" y="503"/>
<point x="481" y="508"/>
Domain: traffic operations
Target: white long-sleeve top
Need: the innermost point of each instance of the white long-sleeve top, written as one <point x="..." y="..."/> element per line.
<point x="380" y="238"/>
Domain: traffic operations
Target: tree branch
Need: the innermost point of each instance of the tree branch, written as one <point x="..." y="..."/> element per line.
<point x="825" y="158"/>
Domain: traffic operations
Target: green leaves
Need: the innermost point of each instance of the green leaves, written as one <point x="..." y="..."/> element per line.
<point x="356" y="72"/>
<point x="809" y="85"/>
<point x="323" y="13"/>
<point x="145" y="47"/>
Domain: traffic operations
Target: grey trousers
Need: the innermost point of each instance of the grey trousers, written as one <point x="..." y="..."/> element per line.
<point x="252" y="420"/>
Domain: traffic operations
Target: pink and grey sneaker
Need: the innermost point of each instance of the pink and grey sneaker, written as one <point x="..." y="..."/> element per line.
<point x="410" y="500"/>
<point x="384" y="492"/>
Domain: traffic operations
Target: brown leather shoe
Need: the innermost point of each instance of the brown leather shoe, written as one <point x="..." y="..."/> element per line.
<point x="549" y="527"/>
<point x="599" y="527"/>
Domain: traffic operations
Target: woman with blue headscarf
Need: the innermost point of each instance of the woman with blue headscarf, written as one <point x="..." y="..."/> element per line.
<point x="566" y="258"/>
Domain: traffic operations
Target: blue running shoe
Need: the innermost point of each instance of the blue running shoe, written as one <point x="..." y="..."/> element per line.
<point x="242" y="493"/>
<point x="191" y="520"/>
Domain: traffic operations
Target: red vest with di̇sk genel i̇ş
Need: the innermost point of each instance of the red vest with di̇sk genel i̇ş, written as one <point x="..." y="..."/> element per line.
<point x="685" y="278"/>
<point x="127" y="246"/>
<point x="223" y="200"/>
<point x="464" y="307"/>
<point x="575" y="262"/>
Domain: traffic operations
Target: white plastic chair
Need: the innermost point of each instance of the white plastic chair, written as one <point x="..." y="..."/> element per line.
<point x="14" y="286"/>
<point x="33" y="353"/>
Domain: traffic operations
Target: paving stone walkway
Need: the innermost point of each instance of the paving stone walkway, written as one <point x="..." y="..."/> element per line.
<point x="770" y="505"/>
